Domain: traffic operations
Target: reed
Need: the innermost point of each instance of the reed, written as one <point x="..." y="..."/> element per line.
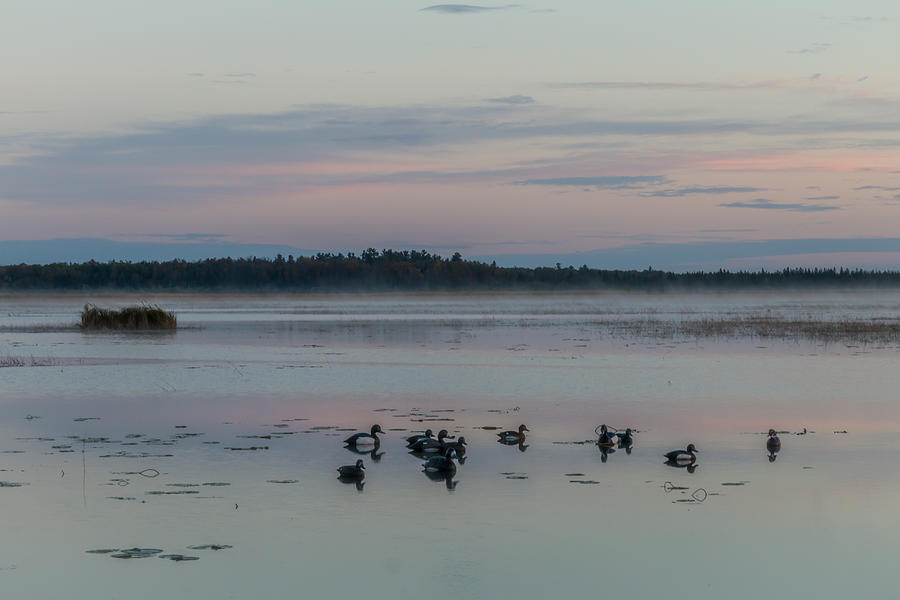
<point x="136" y="318"/>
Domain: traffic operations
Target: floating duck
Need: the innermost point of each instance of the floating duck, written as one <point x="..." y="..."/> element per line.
<point x="626" y="441"/>
<point x="365" y="439"/>
<point x="682" y="456"/>
<point x="415" y="438"/>
<point x="773" y="444"/>
<point x="513" y="437"/>
<point x="356" y="471"/>
<point x="605" y="439"/>
<point x="459" y="446"/>
<point x="441" y="464"/>
<point x="431" y="445"/>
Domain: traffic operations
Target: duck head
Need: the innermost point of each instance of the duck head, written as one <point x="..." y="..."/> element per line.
<point x="359" y="464"/>
<point x="428" y="433"/>
<point x="523" y="428"/>
<point x="375" y="429"/>
<point x="772" y="433"/>
<point x="691" y="449"/>
<point x="443" y="433"/>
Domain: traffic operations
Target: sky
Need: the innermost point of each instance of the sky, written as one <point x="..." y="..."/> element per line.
<point x="688" y="135"/>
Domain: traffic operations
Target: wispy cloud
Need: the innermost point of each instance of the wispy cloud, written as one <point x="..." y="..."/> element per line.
<point x="816" y="48"/>
<point x="517" y="99"/>
<point x="457" y="9"/>
<point x="692" y="191"/>
<point x="769" y="205"/>
<point x="182" y="237"/>
<point x="877" y="187"/>
<point x="819" y="198"/>
<point x="615" y="182"/>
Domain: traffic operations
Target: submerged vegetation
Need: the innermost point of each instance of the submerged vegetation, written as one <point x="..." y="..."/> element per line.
<point x="130" y="317"/>
<point x="405" y="270"/>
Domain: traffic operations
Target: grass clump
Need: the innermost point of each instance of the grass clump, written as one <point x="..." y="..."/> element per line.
<point x="131" y="317"/>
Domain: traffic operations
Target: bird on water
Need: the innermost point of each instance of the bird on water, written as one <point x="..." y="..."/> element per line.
<point x="356" y="471"/>
<point x="422" y="436"/>
<point x="682" y="456"/>
<point x="441" y="464"/>
<point x="513" y="437"/>
<point x="365" y="439"/>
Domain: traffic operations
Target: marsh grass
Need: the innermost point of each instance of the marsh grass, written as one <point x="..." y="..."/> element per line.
<point x="766" y="327"/>
<point x="136" y="318"/>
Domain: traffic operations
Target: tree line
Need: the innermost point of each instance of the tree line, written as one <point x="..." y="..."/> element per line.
<point x="372" y="270"/>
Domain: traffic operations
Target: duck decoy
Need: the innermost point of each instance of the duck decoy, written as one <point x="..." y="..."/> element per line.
<point x="459" y="446"/>
<point x="356" y="471"/>
<point x="773" y="444"/>
<point x="431" y="445"/>
<point x="605" y="439"/>
<point x="415" y="438"/>
<point x="626" y="441"/>
<point x="365" y="439"/>
<point x="513" y="437"/>
<point x="682" y="456"/>
<point x="442" y="463"/>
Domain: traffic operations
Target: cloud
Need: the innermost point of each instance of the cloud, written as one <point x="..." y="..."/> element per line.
<point x="691" y="191"/>
<point x="768" y="204"/>
<point x="816" y="48"/>
<point x="615" y="182"/>
<point x="240" y="75"/>
<point x="877" y="187"/>
<point x="182" y="237"/>
<point x="815" y="198"/>
<point x="517" y="99"/>
<point x="457" y="9"/>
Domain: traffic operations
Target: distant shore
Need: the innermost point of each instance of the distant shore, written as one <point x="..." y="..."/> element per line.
<point x="405" y="271"/>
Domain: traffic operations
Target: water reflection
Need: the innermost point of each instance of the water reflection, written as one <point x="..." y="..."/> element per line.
<point x="373" y="453"/>
<point x="447" y="478"/>
<point x="689" y="467"/>
<point x="605" y="451"/>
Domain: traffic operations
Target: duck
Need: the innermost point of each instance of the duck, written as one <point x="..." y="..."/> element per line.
<point x="441" y="464"/>
<point x="682" y="456"/>
<point x="365" y="439"/>
<point x="431" y="445"/>
<point x="773" y="444"/>
<point x="459" y="446"/>
<point x="513" y="437"/>
<point x="605" y="439"/>
<point x="415" y="438"/>
<point x="626" y="441"/>
<point x="356" y="471"/>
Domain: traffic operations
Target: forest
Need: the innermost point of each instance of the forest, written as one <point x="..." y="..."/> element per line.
<point x="403" y="270"/>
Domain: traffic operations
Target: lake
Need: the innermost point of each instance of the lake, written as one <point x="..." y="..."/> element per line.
<point x="221" y="441"/>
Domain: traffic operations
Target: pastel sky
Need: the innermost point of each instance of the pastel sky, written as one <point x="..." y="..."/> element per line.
<point x="493" y="129"/>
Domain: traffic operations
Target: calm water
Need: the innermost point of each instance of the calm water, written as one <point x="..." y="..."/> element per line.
<point x="288" y="374"/>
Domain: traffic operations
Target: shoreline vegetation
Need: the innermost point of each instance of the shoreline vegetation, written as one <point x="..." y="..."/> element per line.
<point x="391" y="270"/>
<point x="133" y="318"/>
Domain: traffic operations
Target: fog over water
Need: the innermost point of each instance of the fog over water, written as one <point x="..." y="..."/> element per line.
<point x="228" y="433"/>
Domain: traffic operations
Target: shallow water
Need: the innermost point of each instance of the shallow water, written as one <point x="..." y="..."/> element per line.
<point x="288" y="374"/>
